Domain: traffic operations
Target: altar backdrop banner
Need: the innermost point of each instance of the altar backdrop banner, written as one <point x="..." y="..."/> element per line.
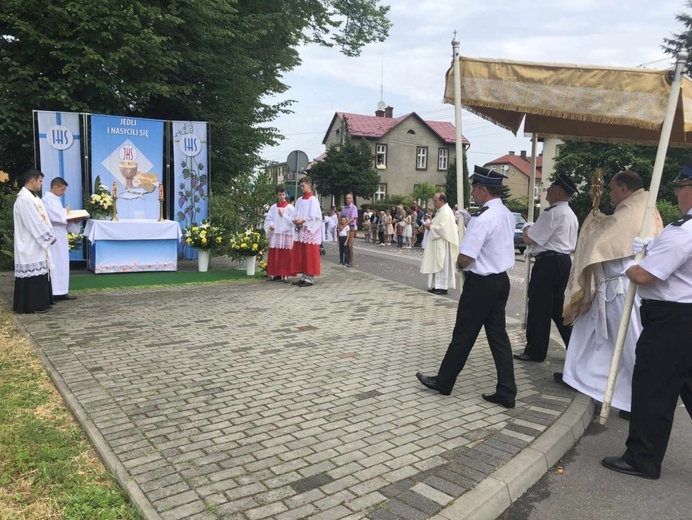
<point x="129" y="151"/>
<point x="60" y="155"/>
<point x="190" y="176"/>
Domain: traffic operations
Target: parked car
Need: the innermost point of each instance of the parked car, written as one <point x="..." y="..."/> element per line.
<point x="519" y="232"/>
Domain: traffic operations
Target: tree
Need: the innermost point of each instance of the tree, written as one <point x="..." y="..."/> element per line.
<point x="451" y="183"/>
<point x="210" y="60"/>
<point x="423" y="193"/>
<point x="347" y="169"/>
<point x="580" y="160"/>
<point x="682" y="40"/>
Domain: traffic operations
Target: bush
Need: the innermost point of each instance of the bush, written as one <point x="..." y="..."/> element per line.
<point x="669" y="212"/>
<point x="7" y="198"/>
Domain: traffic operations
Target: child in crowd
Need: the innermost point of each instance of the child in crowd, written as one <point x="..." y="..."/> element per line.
<point x="390" y="228"/>
<point x="382" y="228"/>
<point x="343" y="236"/>
<point x="408" y="229"/>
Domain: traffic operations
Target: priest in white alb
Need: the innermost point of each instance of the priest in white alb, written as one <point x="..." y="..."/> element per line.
<point x="441" y="248"/>
<point x="60" y="251"/>
<point x="278" y="227"/>
<point x="596" y="291"/>
<point x="33" y="236"/>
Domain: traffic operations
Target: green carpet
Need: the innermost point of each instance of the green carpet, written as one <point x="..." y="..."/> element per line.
<point x="92" y="282"/>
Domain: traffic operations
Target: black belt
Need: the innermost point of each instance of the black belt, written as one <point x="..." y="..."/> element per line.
<point x="660" y="303"/>
<point x="549" y="253"/>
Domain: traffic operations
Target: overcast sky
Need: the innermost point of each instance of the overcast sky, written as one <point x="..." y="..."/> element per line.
<point x="418" y="52"/>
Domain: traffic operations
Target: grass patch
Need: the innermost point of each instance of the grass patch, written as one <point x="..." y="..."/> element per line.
<point x="48" y="469"/>
<point x="92" y="282"/>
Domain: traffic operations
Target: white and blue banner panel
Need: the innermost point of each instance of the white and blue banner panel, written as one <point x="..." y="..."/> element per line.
<point x="190" y="176"/>
<point x="129" y="152"/>
<point x="60" y="153"/>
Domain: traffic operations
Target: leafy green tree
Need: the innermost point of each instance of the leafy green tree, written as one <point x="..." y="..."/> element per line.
<point x="580" y="160"/>
<point x="423" y="193"/>
<point x="211" y="60"/>
<point x="451" y="183"/>
<point x="348" y="168"/>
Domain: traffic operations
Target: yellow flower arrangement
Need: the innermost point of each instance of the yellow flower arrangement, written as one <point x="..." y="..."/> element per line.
<point x="100" y="204"/>
<point x="74" y="241"/>
<point x="204" y="235"/>
<point x="248" y="243"/>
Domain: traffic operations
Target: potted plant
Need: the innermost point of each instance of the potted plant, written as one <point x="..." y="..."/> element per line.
<point x="100" y="204"/>
<point x="248" y="244"/>
<point x="204" y="237"/>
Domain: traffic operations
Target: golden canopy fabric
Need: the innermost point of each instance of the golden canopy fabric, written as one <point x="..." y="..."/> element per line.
<point x="572" y="101"/>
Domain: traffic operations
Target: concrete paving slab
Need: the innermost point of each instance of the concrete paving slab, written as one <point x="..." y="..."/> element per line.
<point x="262" y="400"/>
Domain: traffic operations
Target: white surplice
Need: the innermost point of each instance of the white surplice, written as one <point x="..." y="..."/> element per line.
<point x="282" y="235"/>
<point x="594" y="333"/>
<point x="60" y="251"/>
<point x="32" y="236"/>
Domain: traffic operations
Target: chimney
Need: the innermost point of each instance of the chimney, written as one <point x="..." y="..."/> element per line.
<point x="379" y="113"/>
<point x="523" y="154"/>
<point x="511" y="152"/>
<point x="389" y="112"/>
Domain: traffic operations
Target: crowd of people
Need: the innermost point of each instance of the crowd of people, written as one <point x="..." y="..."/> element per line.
<point x="584" y="296"/>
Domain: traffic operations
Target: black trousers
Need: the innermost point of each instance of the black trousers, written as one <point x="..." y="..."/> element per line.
<point x="546" y="298"/>
<point x="662" y="373"/>
<point x="482" y="304"/>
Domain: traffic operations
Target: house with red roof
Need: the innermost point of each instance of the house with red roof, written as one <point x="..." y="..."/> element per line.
<point x="408" y="149"/>
<point x="517" y="168"/>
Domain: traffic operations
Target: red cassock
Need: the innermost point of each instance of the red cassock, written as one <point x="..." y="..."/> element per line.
<point x="306" y="259"/>
<point x="279" y="262"/>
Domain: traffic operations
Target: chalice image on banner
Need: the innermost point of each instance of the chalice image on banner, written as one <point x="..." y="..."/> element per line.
<point x="128" y="169"/>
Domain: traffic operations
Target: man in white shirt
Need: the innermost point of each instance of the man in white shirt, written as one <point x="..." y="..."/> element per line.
<point x="663" y="366"/>
<point x="486" y="254"/>
<point x="552" y="239"/>
<point x="60" y="251"/>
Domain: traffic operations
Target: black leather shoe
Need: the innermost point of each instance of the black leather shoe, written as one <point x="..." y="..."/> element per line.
<point x="625" y="415"/>
<point x="557" y="377"/>
<point x="298" y="282"/>
<point x="305" y="283"/>
<point x="525" y="357"/>
<point x="618" y="464"/>
<point x="502" y="401"/>
<point x="431" y="382"/>
<point x="432" y="290"/>
<point x="63" y="297"/>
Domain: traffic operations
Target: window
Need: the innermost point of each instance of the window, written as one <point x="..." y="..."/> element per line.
<point x="442" y="158"/>
<point x="422" y="158"/>
<point x="381" y="192"/>
<point x="381" y="156"/>
<point x="412" y="132"/>
<point x="537" y="192"/>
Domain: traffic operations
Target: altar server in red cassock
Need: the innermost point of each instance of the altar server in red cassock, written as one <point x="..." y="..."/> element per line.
<point x="308" y="235"/>
<point x="279" y="229"/>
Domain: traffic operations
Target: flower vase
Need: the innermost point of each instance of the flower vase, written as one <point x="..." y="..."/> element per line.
<point x="250" y="264"/>
<point x="203" y="260"/>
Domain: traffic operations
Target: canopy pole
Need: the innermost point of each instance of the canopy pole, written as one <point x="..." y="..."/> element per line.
<point x="532" y="204"/>
<point x="459" y="142"/>
<point x="681" y="59"/>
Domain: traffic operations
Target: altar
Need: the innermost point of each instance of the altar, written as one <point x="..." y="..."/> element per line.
<point x="130" y="246"/>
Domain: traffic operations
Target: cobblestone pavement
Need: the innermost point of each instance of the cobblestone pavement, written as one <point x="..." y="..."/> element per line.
<point x="263" y="400"/>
